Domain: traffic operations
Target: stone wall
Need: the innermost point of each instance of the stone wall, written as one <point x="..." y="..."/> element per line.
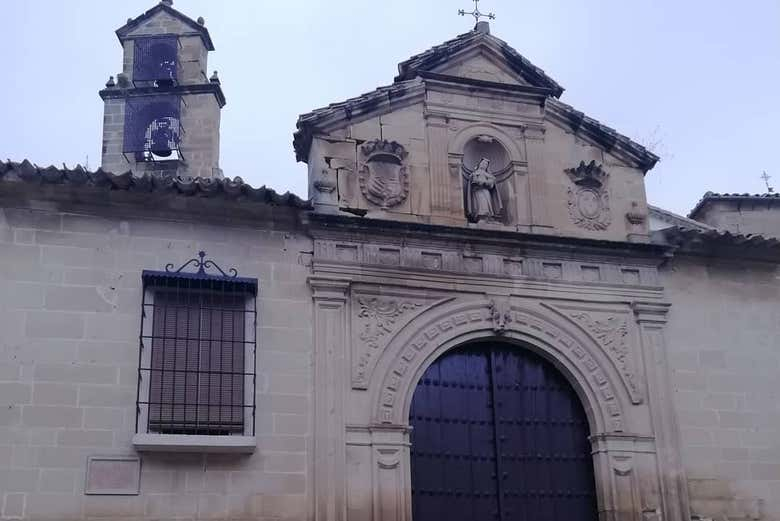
<point x="723" y="331"/>
<point x="744" y="217"/>
<point x="70" y="300"/>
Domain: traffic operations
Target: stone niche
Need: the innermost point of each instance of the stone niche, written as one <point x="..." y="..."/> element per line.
<point x="486" y="150"/>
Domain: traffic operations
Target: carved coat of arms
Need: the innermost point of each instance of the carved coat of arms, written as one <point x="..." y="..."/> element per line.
<point x="383" y="176"/>
<point x="589" y="199"/>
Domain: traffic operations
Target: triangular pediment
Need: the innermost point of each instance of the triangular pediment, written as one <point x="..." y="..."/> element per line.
<point x="163" y="19"/>
<point x="481" y="64"/>
<point x="478" y="55"/>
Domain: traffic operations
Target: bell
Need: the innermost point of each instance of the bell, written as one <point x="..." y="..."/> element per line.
<point x="161" y="139"/>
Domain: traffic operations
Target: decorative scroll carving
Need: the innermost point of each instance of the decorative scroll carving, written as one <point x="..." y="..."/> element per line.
<point x="611" y="333"/>
<point x="589" y="199"/>
<point x="501" y="315"/>
<point x="377" y="318"/>
<point x="480" y="317"/>
<point x="383" y="177"/>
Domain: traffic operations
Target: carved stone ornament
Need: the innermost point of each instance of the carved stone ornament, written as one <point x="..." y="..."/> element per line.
<point x="376" y="318"/>
<point x="611" y="333"/>
<point x="635" y="216"/>
<point x="472" y="317"/>
<point x="501" y="314"/>
<point x="326" y="183"/>
<point x="383" y="176"/>
<point x="589" y="199"/>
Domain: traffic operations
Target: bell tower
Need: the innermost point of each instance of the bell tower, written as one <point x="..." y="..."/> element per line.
<point x="162" y="112"/>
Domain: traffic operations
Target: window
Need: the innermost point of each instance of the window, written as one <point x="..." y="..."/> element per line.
<point x="196" y="374"/>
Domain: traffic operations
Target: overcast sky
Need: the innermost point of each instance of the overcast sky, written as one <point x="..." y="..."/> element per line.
<point x="700" y="78"/>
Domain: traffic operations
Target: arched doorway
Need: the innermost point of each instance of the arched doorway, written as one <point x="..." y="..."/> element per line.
<point x="498" y="433"/>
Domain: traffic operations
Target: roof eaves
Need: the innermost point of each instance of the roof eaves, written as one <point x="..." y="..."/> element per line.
<point x="676" y="219"/>
<point x="606" y="136"/>
<point x="310" y="123"/>
<point x="716" y="243"/>
<point x="78" y="177"/>
<point x="712" y="196"/>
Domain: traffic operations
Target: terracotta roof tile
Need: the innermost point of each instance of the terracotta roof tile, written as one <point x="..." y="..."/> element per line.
<point x="709" y="197"/>
<point x="609" y="137"/>
<point x="720" y="243"/>
<point x="226" y="188"/>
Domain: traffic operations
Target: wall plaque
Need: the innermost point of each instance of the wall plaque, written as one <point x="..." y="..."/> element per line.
<point x="113" y="475"/>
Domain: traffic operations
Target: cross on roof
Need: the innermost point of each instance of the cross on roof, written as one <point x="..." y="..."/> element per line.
<point x="476" y="14"/>
<point x="766" y="177"/>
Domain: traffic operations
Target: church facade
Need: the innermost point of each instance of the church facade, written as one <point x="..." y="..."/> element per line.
<point x="475" y="314"/>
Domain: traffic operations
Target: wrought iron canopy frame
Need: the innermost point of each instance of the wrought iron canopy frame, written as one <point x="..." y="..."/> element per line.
<point x="137" y="147"/>
<point x="147" y="82"/>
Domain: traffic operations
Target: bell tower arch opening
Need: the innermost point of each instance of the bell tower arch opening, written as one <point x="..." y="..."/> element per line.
<point x="498" y="432"/>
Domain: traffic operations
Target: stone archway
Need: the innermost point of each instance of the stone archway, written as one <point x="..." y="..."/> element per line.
<point x="378" y="441"/>
<point x="361" y="456"/>
<point x="429" y="336"/>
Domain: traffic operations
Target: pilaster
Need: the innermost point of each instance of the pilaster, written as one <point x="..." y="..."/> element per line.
<point x="624" y="468"/>
<point x="330" y="387"/>
<point x="436" y="127"/>
<point x="651" y="319"/>
<point x="380" y="474"/>
<point x="538" y="200"/>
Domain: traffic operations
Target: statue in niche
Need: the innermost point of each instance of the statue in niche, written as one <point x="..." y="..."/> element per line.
<point x="483" y="202"/>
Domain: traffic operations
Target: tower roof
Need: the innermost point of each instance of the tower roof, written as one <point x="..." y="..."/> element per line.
<point x="165" y="6"/>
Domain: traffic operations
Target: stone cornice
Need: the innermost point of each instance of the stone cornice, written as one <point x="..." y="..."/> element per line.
<point x="177" y="90"/>
<point x="650" y="312"/>
<point x="354" y="110"/>
<point x="344" y="227"/>
<point x="605" y="137"/>
<point x="329" y="288"/>
<point x="433" y="78"/>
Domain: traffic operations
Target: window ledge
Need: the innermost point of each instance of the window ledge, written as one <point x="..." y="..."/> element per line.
<point x="193" y="443"/>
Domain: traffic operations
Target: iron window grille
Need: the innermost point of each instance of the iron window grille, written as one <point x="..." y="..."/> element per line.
<point x="156" y="61"/>
<point x="152" y="130"/>
<point x="197" y="355"/>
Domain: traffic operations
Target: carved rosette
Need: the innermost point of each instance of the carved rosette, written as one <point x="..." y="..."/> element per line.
<point x="611" y="333"/>
<point x="589" y="198"/>
<point x="376" y="319"/>
<point x="383" y="175"/>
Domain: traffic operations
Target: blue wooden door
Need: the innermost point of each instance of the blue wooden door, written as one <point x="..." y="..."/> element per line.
<point x="499" y="434"/>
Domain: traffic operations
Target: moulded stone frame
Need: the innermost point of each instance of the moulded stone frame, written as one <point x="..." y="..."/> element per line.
<point x="145" y="441"/>
<point x="442" y="328"/>
<point x="628" y="466"/>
